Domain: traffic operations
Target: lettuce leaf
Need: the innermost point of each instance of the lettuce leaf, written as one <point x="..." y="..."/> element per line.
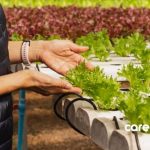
<point x="104" y="90"/>
<point x="99" y="44"/>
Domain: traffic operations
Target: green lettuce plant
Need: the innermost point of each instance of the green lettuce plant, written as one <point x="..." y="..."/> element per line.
<point x="99" y="44"/>
<point x="16" y="37"/>
<point x="136" y="107"/>
<point x="41" y="37"/>
<point x="138" y="76"/>
<point x="134" y="44"/>
<point x="104" y="90"/>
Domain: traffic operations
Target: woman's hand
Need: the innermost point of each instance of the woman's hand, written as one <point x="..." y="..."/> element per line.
<point x="61" y="55"/>
<point x="36" y="80"/>
<point x="45" y="82"/>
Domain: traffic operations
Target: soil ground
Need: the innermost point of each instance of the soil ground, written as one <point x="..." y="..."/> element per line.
<point x="45" y="130"/>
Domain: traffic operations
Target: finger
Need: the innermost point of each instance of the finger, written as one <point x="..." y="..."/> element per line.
<point x="78" y="49"/>
<point x="40" y="90"/>
<point x="76" y="90"/>
<point x="61" y="69"/>
<point x="59" y="90"/>
<point x="79" y="59"/>
<point x="59" y="83"/>
<point x="89" y="65"/>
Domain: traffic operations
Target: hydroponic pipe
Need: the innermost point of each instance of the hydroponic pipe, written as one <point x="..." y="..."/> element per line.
<point x="59" y="100"/>
<point x="69" y="106"/>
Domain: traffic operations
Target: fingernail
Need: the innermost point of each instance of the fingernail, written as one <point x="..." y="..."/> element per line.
<point x="80" y="91"/>
<point x="77" y="90"/>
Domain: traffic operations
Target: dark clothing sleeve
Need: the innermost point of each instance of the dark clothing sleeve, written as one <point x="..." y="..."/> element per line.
<point x="6" y="120"/>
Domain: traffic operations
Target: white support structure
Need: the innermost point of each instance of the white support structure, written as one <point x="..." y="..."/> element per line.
<point x="85" y="117"/>
<point x="74" y="108"/>
<point x="62" y="104"/>
<point x="144" y="140"/>
<point x="101" y="128"/>
<point x="122" y="140"/>
<point x="101" y="131"/>
<point x="126" y="140"/>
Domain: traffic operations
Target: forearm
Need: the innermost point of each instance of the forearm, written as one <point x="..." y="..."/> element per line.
<point x="15" y="51"/>
<point x="12" y="82"/>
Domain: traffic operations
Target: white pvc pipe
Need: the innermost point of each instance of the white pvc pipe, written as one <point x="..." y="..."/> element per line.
<point x="127" y="141"/>
<point x="122" y="140"/>
<point x="101" y="130"/>
<point x="85" y="117"/>
<point x="74" y="107"/>
<point x="144" y="140"/>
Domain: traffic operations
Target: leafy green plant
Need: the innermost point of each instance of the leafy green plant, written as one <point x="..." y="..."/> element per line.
<point x="103" y="89"/>
<point x="99" y="44"/>
<point x="144" y="56"/>
<point x="122" y="47"/>
<point x="81" y="3"/>
<point x="136" y="107"/>
<point x="53" y="37"/>
<point x="134" y="44"/>
<point x="16" y="37"/>
<point x="41" y="37"/>
<point x="138" y="76"/>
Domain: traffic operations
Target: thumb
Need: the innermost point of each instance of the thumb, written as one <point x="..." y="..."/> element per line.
<point x="77" y="48"/>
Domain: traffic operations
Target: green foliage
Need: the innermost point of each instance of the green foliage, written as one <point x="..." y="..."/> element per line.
<point x="139" y="76"/>
<point x="81" y="3"/>
<point x="16" y="37"/>
<point x="41" y="37"/>
<point x="136" y="107"/>
<point x="133" y="44"/>
<point x="121" y="46"/>
<point x="135" y="104"/>
<point x="53" y="37"/>
<point x="99" y="44"/>
<point x="103" y="89"/>
<point x="144" y="56"/>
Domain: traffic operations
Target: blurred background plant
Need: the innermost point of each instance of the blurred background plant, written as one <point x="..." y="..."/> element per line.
<point x="81" y="3"/>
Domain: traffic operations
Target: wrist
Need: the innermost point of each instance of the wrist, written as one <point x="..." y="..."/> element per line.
<point x="35" y="51"/>
<point x="27" y="80"/>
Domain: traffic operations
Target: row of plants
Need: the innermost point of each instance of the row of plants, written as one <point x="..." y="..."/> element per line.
<point x="136" y="103"/>
<point x="81" y="3"/>
<point x="105" y="90"/>
<point x="17" y="37"/>
<point x="73" y="22"/>
<point x="101" y="45"/>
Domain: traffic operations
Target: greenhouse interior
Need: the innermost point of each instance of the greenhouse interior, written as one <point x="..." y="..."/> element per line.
<point x="75" y="75"/>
